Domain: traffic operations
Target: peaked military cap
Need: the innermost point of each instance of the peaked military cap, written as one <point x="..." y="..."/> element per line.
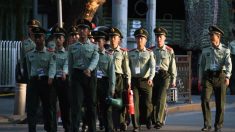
<point x="141" y="32"/>
<point x="33" y="23"/>
<point x="58" y="31"/>
<point x="38" y="30"/>
<point x="160" y="31"/>
<point x="73" y="30"/>
<point x="99" y="34"/>
<point x="115" y="32"/>
<point x="84" y="23"/>
<point x="215" y="29"/>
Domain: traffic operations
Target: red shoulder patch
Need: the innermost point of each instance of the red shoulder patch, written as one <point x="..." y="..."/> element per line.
<point x="168" y="48"/>
<point x="50" y="49"/>
<point x="132" y="49"/>
<point x="151" y="48"/>
<point x="124" y="49"/>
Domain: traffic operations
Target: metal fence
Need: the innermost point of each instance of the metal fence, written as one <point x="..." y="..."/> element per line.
<point x="9" y="57"/>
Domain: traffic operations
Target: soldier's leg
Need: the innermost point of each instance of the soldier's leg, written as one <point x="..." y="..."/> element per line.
<point x="32" y="103"/>
<point x="76" y="99"/>
<point x="135" y="117"/>
<point x="220" y="99"/>
<point x="205" y="102"/>
<point x="90" y="97"/>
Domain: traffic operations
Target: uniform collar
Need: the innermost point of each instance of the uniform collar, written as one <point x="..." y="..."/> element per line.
<point x="141" y="50"/>
<point x="60" y="50"/>
<point x="86" y="42"/>
<point x="102" y="52"/>
<point x="43" y="50"/>
<point x="116" y="49"/>
<point x="163" y="48"/>
<point x="219" y="47"/>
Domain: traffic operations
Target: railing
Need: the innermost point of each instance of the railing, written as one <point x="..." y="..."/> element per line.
<point x="9" y="56"/>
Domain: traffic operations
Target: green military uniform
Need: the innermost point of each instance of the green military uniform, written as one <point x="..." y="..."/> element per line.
<point x="215" y="66"/>
<point x="41" y="66"/>
<point x="166" y="73"/>
<point x="142" y="65"/>
<point x="83" y="56"/>
<point x="27" y="46"/>
<point x="61" y="80"/>
<point x="123" y="75"/>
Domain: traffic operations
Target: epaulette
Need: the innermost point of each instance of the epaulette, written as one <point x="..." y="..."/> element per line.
<point x="168" y="48"/>
<point x="109" y="53"/>
<point x="50" y="49"/>
<point x="124" y="49"/>
<point x="151" y="48"/>
<point x="132" y="49"/>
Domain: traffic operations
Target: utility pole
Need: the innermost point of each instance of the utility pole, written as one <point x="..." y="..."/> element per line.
<point x="151" y="21"/>
<point x="119" y="18"/>
<point x="59" y="7"/>
<point x="35" y="9"/>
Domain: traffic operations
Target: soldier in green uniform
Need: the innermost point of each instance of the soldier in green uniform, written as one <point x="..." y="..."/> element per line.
<point x="105" y="80"/>
<point x="142" y="65"/>
<point x="27" y="46"/>
<point x="41" y="66"/>
<point x="122" y="70"/>
<point x="83" y="59"/>
<point x="165" y="76"/>
<point x="214" y="73"/>
<point x="61" y="78"/>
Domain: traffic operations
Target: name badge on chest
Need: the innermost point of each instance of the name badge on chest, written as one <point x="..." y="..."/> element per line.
<point x="100" y="74"/>
<point x="137" y="70"/>
<point x="41" y="72"/>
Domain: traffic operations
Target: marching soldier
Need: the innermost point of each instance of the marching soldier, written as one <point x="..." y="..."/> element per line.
<point x="214" y="73"/>
<point x="142" y="65"/>
<point x="165" y="76"/>
<point x="122" y="70"/>
<point x="27" y="46"/>
<point x="83" y="59"/>
<point x="105" y="80"/>
<point x="41" y="66"/>
<point x="61" y="77"/>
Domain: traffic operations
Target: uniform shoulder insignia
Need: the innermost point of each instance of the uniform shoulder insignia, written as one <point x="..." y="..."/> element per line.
<point x="50" y="49"/>
<point x="124" y="49"/>
<point x="132" y="49"/>
<point x="151" y="48"/>
<point x="168" y="48"/>
<point x="109" y="53"/>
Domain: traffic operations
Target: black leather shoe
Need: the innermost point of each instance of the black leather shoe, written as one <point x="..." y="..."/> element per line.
<point x="206" y="129"/>
<point x="148" y="125"/>
<point x="123" y="127"/>
<point x="158" y="125"/>
<point x="218" y="130"/>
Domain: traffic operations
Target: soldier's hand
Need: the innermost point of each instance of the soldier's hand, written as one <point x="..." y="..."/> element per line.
<point x="128" y="86"/>
<point x="87" y="72"/>
<point x="150" y="83"/>
<point x="50" y="80"/>
<point x="64" y="76"/>
<point x="226" y="81"/>
<point x="173" y="85"/>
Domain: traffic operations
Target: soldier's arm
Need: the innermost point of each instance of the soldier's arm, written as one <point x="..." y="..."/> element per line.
<point x="94" y="59"/>
<point x="173" y="69"/>
<point x="126" y="67"/>
<point x="152" y="66"/>
<point x="112" y="76"/>
<point x="28" y="65"/>
<point x="70" y="60"/>
<point x="201" y="67"/>
<point x="228" y="64"/>
<point x="52" y="66"/>
<point x="65" y="66"/>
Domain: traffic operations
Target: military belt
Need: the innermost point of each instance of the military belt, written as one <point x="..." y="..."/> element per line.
<point x="140" y="78"/>
<point x="39" y="77"/>
<point x="214" y="73"/>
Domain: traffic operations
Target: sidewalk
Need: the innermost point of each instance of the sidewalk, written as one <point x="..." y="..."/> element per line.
<point x="7" y="108"/>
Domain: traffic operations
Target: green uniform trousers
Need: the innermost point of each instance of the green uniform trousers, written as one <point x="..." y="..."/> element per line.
<point x="39" y="90"/>
<point x="142" y="93"/>
<point x="213" y="82"/>
<point x="161" y="84"/>
<point x="83" y="90"/>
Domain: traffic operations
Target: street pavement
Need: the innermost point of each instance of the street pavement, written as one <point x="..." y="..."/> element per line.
<point x="176" y="120"/>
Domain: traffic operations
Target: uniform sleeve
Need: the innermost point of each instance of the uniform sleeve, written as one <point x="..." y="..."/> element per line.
<point x="201" y="67"/>
<point x="70" y="60"/>
<point x="126" y="67"/>
<point x="52" y="66"/>
<point x="228" y="64"/>
<point x="112" y="76"/>
<point x="152" y="66"/>
<point x="65" y="67"/>
<point x="173" y="69"/>
<point x="94" y="59"/>
<point x="28" y="63"/>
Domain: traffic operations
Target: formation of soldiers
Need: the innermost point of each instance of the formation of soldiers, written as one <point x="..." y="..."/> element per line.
<point x="90" y="72"/>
